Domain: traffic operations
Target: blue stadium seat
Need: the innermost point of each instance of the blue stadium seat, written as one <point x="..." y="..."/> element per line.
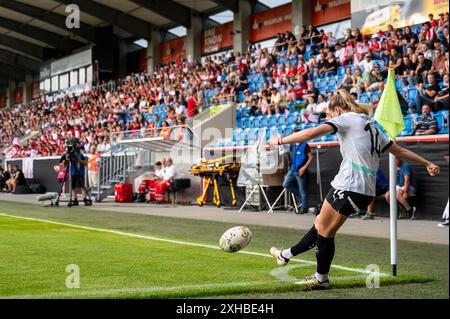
<point x="238" y="113"/>
<point x="375" y="96"/>
<point x="287" y="130"/>
<point x="333" y="137"/>
<point x="282" y="119"/>
<point x="409" y="126"/>
<point x="262" y="132"/>
<point x="306" y="55"/>
<point x="241" y="96"/>
<point x="363" y="98"/>
<point x="241" y="143"/>
<point x="322" y="84"/>
<point x="290" y="119"/>
<point x="251" y="136"/>
<point x="245" y="112"/>
<point x="380" y="63"/>
<point x="331" y="88"/>
<point x="239" y="123"/>
<point x="412" y="94"/>
<point x="245" y="123"/>
<point x="264" y="120"/>
<point x="332" y="80"/>
<point x="273" y="120"/>
<point x="236" y="135"/>
<point x="254" y="121"/>
<point x="442" y="119"/>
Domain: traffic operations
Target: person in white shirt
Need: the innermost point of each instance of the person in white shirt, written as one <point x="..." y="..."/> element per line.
<point x="101" y="147"/>
<point x="149" y="185"/>
<point x="180" y="109"/>
<point x="340" y="53"/>
<point x="168" y="177"/>
<point x="353" y="188"/>
<point x="366" y="64"/>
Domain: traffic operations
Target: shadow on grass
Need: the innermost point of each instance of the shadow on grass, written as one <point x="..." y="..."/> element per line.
<point x="219" y="292"/>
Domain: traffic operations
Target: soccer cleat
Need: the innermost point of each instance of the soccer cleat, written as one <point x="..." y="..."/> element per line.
<point x="312" y="283"/>
<point x="276" y="252"/>
<point x="74" y="203"/>
<point x="87" y="202"/>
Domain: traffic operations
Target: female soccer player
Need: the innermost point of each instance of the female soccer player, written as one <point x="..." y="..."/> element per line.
<point x="353" y="188"/>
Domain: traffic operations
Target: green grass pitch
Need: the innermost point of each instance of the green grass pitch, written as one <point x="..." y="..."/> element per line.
<point x="122" y="255"/>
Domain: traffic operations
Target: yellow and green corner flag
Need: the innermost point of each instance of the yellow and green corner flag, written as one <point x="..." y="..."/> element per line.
<point x="389" y="113"/>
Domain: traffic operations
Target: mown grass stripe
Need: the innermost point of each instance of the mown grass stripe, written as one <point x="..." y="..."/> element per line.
<point x="177" y="242"/>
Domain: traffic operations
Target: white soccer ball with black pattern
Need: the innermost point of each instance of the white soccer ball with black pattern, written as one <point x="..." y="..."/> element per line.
<point x="235" y="239"/>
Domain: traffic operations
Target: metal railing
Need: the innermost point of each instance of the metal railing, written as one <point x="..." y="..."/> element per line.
<point x="116" y="165"/>
<point x="185" y="133"/>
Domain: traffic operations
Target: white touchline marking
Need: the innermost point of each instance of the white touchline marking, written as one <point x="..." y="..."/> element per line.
<point x="121" y="233"/>
<point x="106" y="292"/>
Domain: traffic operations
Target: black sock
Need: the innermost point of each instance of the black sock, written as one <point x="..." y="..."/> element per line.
<point x="306" y="243"/>
<point x="325" y="254"/>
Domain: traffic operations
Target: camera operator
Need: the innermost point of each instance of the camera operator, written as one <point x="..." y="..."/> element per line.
<point x="78" y="162"/>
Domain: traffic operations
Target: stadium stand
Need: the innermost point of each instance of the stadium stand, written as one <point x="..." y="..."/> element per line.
<point x="275" y="90"/>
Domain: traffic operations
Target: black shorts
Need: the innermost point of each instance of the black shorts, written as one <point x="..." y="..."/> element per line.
<point x="346" y="202"/>
<point x="381" y="191"/>
<point x="77" y="181"/>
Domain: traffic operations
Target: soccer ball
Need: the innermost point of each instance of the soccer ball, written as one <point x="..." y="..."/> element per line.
<point x="235" y="239"/>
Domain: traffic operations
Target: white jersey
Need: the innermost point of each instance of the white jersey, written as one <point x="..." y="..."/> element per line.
<point x="361" y="147"/>
<point x="169" y="172"/>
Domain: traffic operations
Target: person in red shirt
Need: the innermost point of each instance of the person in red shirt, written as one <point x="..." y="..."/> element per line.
<point x="433" y="23"/>
<point x="300" y="87"/>
<point x="291" y="71"/>
<point x="244" y="68"/>
<point x="375" y="47"/>
<point x="192" y="105"/>
<point x="302" y="67"/>
<point x="277" y="73"/>
<point x="428" y="32"/>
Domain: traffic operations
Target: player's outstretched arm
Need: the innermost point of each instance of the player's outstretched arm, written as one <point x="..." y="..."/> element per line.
<point x="410" y="156"/>
<point x="302" y="136"/>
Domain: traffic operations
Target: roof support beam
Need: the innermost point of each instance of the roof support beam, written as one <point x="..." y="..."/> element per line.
<point x="17" y="60"/>
<point x="228" y="4"/>
<point x="49" y="17"/>
<point x="168" y="9"/>
<point x="22" y="46"/>
<point x="121" y="19"/>
<point x="42" y="35"/>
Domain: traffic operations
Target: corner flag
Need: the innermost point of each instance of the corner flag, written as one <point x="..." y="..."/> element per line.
<point x="389" y="113"/>
<point x="390" y="117"/>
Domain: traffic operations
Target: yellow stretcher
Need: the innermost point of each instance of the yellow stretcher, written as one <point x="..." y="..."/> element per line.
<point x="226" y="166"/>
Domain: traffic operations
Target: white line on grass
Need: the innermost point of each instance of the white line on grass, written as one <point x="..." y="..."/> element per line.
<point x="107" y="292"/>
<point x="121" y="233"/>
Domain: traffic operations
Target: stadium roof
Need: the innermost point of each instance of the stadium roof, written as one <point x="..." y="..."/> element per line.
<point x="33" y="31"/>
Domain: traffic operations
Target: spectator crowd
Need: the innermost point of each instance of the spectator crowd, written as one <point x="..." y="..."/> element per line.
<point x="291" y="71"/>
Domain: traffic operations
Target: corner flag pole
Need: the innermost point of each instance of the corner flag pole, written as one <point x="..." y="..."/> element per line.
<point x="393" y="212"/>
<point x="390" y="117"/>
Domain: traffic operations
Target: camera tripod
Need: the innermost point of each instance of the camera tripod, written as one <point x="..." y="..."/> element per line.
<point x="68" y="175"/>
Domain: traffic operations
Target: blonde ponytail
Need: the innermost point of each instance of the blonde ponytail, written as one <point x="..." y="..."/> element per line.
<point x="347" y="103"/>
